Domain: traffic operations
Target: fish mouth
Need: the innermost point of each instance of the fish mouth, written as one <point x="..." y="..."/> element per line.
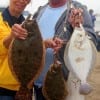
<point x="85" y="89"/>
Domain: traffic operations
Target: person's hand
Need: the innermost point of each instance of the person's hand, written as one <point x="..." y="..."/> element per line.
<point x="76" y="17"/>
<point x="18" y="32"/>
<point x="59" y="44"/>
<point x="55" y="44"/>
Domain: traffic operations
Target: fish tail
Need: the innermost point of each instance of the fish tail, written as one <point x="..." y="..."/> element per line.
<point x="85" y="88"/>
<point x="23" y="94"/>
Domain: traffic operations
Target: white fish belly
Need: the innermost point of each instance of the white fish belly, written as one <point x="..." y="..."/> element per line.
<point x="78" y="56"/>
<point x="80" y="59"/>
<point x="73" y="85"/>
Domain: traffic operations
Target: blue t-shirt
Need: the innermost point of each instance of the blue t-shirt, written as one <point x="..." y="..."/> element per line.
<point x="47" y="24"/>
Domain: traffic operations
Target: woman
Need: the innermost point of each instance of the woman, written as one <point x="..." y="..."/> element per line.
<point x="9" y="29"/>
<point x="10" y="20"/>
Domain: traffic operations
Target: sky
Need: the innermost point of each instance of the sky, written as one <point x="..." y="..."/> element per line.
<point x="32" y="7"/>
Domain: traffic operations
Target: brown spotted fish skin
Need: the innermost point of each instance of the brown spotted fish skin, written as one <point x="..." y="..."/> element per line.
<point x="54" y="87"/>
<point x="24" y="94"/>
<point x="26" y="57"/>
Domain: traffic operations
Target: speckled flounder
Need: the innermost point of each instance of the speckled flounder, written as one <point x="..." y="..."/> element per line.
<point x="26" y="58"/>
<point x="54" y="87"/>
<point x="80" y="56"/>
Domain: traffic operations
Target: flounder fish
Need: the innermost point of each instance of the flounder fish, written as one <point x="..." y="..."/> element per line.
<point x="73" y="85"/>
<point x="54" y="87"/>
<point x="26" y="59"/>
<point x="80" y="57"/>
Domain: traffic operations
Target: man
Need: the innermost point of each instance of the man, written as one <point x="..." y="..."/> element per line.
<point x="9" y="29"/>
<point x="51" y="18"/>
<point x="93" y="17"/>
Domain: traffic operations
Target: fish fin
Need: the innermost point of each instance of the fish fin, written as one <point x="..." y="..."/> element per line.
<point x="85" y="89"/>
<point x="23" y="94"/>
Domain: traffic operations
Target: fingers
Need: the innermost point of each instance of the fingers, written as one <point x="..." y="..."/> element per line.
<point x="56" y="49"/>
<point x="76" y="17"/>
<point x="55" y="44"/>
<point x="58" y="41"/>
<point x="49" y="43"/>
<point x="18" y="32"/>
